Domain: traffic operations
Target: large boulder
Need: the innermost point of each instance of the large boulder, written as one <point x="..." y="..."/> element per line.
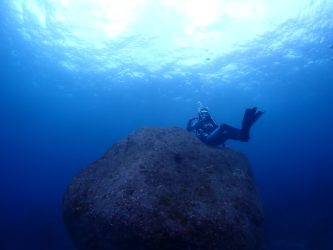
<point x="163" y="189"/>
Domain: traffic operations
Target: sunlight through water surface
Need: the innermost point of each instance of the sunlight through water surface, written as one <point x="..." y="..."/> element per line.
<point x="169" y="38"/>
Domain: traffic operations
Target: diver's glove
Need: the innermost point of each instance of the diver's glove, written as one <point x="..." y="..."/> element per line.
<point x="190" y="126"/>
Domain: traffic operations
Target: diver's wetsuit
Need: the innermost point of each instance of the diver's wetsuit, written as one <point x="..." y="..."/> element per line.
<point x="212" y="134"/>
<point x="202" y="128"/>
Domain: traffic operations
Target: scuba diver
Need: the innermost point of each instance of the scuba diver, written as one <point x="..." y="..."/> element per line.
<point x="206" y="129"/>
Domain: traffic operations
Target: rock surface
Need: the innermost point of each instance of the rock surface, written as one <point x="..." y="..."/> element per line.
<point x="163" y="189"/>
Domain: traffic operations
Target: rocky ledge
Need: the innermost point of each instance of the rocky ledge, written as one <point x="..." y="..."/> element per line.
<point x="163" y="189"/>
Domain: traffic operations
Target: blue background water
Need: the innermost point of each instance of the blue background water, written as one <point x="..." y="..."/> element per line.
<point x="55" y="121"/>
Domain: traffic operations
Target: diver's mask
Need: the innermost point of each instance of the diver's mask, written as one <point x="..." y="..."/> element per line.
<point x="203" y="114"/>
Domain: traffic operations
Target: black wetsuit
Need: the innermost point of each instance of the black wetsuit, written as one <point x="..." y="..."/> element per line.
<point x="212" y="134"/>
<point x="202" y="128"/>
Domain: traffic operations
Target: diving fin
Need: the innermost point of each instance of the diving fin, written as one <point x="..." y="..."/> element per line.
<point x="251" y="115"/>
<point x="257" y="116"/>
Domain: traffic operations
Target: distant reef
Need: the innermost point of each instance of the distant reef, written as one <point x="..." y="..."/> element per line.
<point x="163" y="189"/>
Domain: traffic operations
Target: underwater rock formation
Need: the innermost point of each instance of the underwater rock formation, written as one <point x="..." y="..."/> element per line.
<point x="163" y="189"/>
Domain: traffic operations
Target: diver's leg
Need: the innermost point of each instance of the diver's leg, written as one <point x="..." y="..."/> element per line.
<point x="226" y="132"/>
<point x="223" y="133"/>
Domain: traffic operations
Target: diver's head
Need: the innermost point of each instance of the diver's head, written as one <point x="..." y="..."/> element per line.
<point x="203" y="113"/>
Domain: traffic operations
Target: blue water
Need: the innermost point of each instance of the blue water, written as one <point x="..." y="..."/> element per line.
<point x="56" y="119"/>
